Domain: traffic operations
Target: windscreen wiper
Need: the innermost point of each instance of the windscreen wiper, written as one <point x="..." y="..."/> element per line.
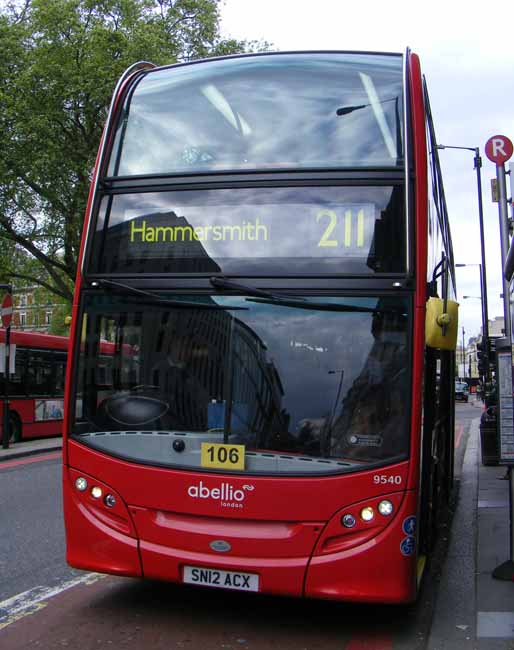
<point x="266" y="297"/>
<point x="220" y="282"/>
<point x="186" y="304"/>
<point x="324" y="306"/>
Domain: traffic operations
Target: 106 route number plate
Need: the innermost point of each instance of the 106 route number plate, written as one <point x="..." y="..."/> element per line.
<point x="221" y="456"/>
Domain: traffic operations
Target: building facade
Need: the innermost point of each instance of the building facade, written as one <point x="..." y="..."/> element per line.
<point x="35" y="309"/>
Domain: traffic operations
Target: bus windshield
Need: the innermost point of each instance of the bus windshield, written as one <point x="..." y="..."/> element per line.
<point x="312" y="110"/>
<point x="311" y="385"/>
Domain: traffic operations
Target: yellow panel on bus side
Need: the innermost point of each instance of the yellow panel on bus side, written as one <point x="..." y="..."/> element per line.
<point x="441" y="326"/>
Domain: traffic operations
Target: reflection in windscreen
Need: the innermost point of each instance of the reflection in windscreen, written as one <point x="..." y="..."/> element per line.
<point x="271" y="111"/>
<point x="305" y="390"/>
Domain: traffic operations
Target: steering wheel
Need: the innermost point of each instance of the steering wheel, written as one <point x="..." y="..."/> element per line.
<point x="142" y="387"/>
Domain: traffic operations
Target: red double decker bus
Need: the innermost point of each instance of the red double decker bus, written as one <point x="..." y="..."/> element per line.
<point x="36" y="384"/>
<point x="263" y="236"/>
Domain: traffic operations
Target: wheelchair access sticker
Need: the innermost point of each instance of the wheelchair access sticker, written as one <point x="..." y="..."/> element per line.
<point x="408" y="546"/>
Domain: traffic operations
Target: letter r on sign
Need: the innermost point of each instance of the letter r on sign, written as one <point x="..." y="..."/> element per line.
<point x="498" y="147"/>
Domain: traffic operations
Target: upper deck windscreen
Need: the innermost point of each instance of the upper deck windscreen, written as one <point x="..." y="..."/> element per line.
<point x="279" y="111"/>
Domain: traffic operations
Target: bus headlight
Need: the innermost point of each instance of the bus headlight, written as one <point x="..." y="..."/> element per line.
<point x="367" y="513"/>
<point x="96" y="492"/>
<point x="81" y="484"/>
<point x="385" y="508"/>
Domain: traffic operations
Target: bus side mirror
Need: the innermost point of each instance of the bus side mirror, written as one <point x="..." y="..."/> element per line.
<point x="441" y="326"/>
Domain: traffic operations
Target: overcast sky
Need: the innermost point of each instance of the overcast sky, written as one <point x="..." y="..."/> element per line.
<point x="467" y="55"/>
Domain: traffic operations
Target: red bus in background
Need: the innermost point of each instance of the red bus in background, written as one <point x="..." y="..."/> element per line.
<point x="36" y="384"/>
<point x="263" y="236"/>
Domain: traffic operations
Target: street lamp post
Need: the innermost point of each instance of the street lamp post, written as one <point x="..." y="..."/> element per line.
<point x="463" y="356"/>
<point x="483" y="280"/>
<point x="470" y="374"/>
<point x="482" y="298"/>
<point x="484" y="375"/>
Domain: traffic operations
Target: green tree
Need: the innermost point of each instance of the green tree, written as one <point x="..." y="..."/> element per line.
<point x="59" y="63"/>
<point x="59" y="325"/>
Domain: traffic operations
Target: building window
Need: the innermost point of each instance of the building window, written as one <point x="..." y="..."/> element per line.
<point x="48" y="317"/>
<point x="23" y="318"/>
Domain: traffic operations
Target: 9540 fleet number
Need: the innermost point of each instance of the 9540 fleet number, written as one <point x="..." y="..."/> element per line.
<point x="386" y="479"/>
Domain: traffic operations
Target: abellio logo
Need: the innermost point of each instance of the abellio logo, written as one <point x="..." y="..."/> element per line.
<point x="228" y="495"/>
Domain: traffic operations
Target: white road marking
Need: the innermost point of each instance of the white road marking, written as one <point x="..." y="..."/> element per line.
<point x="33" y="600"/>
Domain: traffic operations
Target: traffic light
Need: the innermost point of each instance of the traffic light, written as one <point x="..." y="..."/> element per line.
<point x="492" y="351"/>
<point x="491" y="354"/>
<point x="483" y="356"/>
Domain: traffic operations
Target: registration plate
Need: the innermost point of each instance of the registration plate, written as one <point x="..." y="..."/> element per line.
<point x="194" y="575"/>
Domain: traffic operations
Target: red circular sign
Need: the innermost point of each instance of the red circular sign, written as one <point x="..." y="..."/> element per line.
<point x="499" y="149"/>
<point x="7" y="310"/>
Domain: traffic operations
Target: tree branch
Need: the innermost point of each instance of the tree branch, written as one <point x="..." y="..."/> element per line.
<point x="67" y="295"/>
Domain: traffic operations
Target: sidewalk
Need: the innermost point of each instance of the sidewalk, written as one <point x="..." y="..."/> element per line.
<point x="475" y="611"/>
<point x="30" y="447"/>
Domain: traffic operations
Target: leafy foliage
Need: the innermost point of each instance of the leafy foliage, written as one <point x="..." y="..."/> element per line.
<point x="59" y="63"/>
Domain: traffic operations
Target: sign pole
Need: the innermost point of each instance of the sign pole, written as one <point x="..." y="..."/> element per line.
<point x="504" y="240"/>
<point x="499" y="149"/>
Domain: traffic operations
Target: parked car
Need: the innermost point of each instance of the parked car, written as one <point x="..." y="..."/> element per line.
<point x="461" y="391"/>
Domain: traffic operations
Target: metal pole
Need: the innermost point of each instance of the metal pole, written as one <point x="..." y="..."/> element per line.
<point x="463" y="356"/>
<point x="485" y="328"/>
<point x="504" y="239"/>
<point x="483" y="278"/>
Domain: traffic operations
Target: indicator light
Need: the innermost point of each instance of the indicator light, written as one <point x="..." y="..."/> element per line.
<point x="96" y="492"/>
<point x="385" y="508"/>
<point x="110" y="500"/>
<point x="348" y="521"/>
<point x="81" y="484"/>
<point x="367" y="513"/>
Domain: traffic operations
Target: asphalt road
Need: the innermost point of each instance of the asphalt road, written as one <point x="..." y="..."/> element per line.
<point x="59" y="606"/>
<point x="31" y="525"/>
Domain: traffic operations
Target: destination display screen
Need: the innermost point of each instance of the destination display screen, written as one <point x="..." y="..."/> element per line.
<point x="264" y="230"/>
